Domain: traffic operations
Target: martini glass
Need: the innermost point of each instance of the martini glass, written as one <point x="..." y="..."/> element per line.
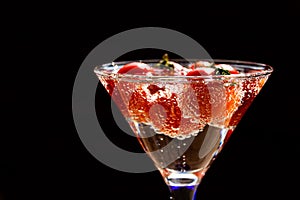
<point x="183" y="122"/>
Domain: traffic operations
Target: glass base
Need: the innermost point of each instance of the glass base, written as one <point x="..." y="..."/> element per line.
<point x="182" y="179"/>
<point x="183" y="193"/>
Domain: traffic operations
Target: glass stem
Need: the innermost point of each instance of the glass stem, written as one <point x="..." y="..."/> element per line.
<point x="183" y="192"/>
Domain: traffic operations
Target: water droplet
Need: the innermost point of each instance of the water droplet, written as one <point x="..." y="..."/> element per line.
<point x="182" y="167"/>
<point x="194" y="134"/>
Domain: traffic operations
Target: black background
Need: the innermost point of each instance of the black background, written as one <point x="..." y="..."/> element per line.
<point x="41" y="155"/>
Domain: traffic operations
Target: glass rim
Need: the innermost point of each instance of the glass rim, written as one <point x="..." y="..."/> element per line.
<point x="264" y="69"/>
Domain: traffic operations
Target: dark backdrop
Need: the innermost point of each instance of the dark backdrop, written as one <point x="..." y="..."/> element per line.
<point x="41" y="155"/>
